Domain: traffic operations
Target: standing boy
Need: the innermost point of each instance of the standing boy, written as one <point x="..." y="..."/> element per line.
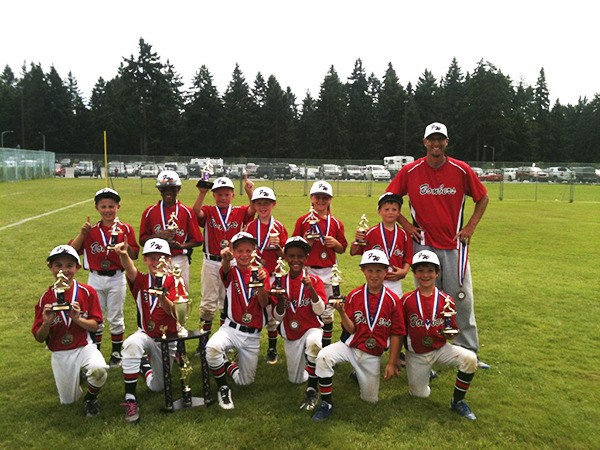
<point x="269" y="234"/>
<point x="172" y="221"/>
<point x="298" y="311"/>
<point x="423" y="313"/>
<point x="67" y="332"/>
<point x="244" y="315"/>
<point x="221" y="222"/>
<point x="106" y="271"/>
<point x="155" y="313"/>
<point x="372" y="322"/>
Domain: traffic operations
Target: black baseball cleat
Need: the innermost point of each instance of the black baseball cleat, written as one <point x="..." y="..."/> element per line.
<point x="463" y="409"/>
<point x="271" y="356"/>
<point x="353" y="376"/>
<point x="91" y="408"/>
<point x="432" y="375"/>
<point x="115" y="360"/>
<point x="224" y="397"/>
<point x="323" y="413"/>
<point x="310" y="401"/>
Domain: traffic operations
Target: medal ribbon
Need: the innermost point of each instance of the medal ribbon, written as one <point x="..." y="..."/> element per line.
<point x="463" y="259"/>
<point x="428" y="322"/>
<point x="225" y="218"/>
<point x="246" y="293"/>
<point x="153" y="298"/>
<point x="288" y="291"/>
<point x="321" y="235"/>
<point x="66" y="318"/>
<point x="163" y="218"/>
<point x="262" y="244"/>
<point x="372" y="321"/>
<point x="389" y="250"/>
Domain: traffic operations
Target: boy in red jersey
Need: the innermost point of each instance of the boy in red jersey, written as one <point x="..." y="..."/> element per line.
<point x="325" y="248"/>
<point x="298" y="311"/>
<point x="221" y="222"/>
<point x="372" y="321"/>
<point x="269" y="234"/>
<point x="244" y="317"/>
<point x="106" y="271"/>
<point x="154" y="313"/>
<point x="425" y="344"/>
<point x="388" y="237"/>
<point x="66" y="332"/>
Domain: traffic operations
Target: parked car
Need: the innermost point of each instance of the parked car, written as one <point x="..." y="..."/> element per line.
<point x="251" y="169"/>
<point x="180" y="169"/>
<point x="84" y="169"/>
<point x="59" y="170"/>
<point x="235" y="170"/>
<point x="293" y="170"/>
<point x="66" y="162"/>
<point x="307" y="173"/>
<point x="585" y="174"/>
<point x="131" y="170"/>
<point x="273" y="171"/>
<point x="478" y="171"/>
<point x="560" y="174"/>
<point x="149" y="170"/>
<point x="352" y="172"/>
<point x="377" y="172"/>
<point x="117" y="169"/>
<point x="510" y="173"/>
<point x="492" y="175"/>
<point x="330" y="172"/>
<point x="532" y="173"/>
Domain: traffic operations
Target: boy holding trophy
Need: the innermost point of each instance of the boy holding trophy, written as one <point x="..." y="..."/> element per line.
<point x="66" y="316"/>
<point x="154" y="294"/>
<point x="96" y="243"/>
<point x="430" y="321"/>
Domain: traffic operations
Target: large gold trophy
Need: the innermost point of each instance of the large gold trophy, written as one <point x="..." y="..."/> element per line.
<point x="182" y="304"/>
<point x="61" y="285"/>
<point x="336" y="279"/>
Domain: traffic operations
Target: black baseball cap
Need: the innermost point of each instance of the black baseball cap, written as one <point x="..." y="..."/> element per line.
<point x="389" y="197"/>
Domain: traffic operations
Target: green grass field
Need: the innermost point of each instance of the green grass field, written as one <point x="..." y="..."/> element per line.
<point x="535" y="269"/>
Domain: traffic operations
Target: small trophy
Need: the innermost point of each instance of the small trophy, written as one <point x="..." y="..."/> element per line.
<point x="159" y="275"/>
<point x="60" y="286"/>
<point x="114" y="235"/>
<point x="207" y="171"/>
<point x="255" y="265"/>
<point x="363" y="226"/>
<point x="448" y="311"/>
<point x="273" y="234"/>
<point x="313" y="220"/>
<point x="185" y="369"/>
<point x="336" y="279"/>
<point x="183" y="304"/>
<point x="279" y="273"/>
<point x="172" y="223"/>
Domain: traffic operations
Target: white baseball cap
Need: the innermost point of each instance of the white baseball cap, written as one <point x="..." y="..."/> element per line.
<point x="156" y="245"/>
<point x="168" y="178"/>
<point x="436" y="127"/>
<point x="263" y="193"/>
<point x="425" y="256"/>
<point x="321" y="187"/>
<point x="222" y="182"/>
<point x="374" y="257"/>
<point x="297" y="241"/>
<point x="242" y="236"/>
<point x="61" y="250"/>
<point x="107" y="193"/>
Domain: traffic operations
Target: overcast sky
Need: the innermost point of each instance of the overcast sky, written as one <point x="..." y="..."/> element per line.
<point x="297" y="41"/>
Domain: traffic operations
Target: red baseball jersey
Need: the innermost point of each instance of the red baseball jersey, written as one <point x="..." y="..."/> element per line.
<point x="64" y="334"/>
<point x="437" y="197"/>
<point x="321" y="256"/>
<point x="424" y="320"/>
<point x="240" y="300"/>
<point x="376" y="317"/>
<point x="150" y="316"/>
<point x="261" y="232"/>
<point x="220" y="226"/>
<point x="156" y="217"/>
<point x="299" y="316"/>
<point x="94" y="251"/>
<point x="394" y="243"/>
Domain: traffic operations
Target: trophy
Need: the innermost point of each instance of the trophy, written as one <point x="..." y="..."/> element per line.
<point x="172" y="223"/>
<point x="279" y="273"/>
<point x="447" y="312"/>
<point x="185" y="369"/>
<point x="255" y="265"/>
<point x="114" y="235"/>
<point x="363" y="226"/>
<point x="159" y="275"/>
<point x="336" y="279"/>
<point x="207" y="171"/>
<point x="273" y="233"/>
<point x="183" y="304"/>
<point x="60" y="286"/>
<point x="313" y="220"/>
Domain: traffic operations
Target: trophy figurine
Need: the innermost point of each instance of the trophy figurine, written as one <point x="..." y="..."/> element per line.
<point x="336" y="279"/>
<point x="183" y="304"/>
<point x="447" y="312"/>
<point x="185" y="369"/>
<point x="255" y="265"/>
<point x="313" y="220"/>
<point x="273" y="234"/>
<point x="207" y="171"/>
<point x="172" y="223"/>
<point x="279" y="273"/>
<point x="114" y="235"/>
<point x="363" y="226"/>
<point x="60" y="286"/>
<point x="159" y="275"/>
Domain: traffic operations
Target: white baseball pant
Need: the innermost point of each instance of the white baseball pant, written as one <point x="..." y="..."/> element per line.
<point x="213" y="290"/>
<point x="308" y="345"/>
<point x="111" y="293"/>
<point x="324" y="273"/>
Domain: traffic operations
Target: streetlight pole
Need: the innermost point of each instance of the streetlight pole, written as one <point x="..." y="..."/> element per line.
<point x="43" y="140"/>
<point x="493" y="153"/>
<point x="405" y="116"/>
<point x="2" y="137"/>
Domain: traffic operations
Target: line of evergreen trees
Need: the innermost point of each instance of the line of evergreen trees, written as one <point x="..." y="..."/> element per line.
<point x="147" y="111"/>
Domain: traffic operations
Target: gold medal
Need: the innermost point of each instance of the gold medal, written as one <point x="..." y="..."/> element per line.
<point x="247" y="317"/>
<point x="224" y="243"/>
<point x="324" y="255"/>
<point x="371" y="343"/>
<point x="427" y="341"/>
<point x="105" y="264"/>
<point x="461" y="295"/>
<point x="67" y="339"/>
<point x="150" y="325"/>
<point x="294" y="325"/>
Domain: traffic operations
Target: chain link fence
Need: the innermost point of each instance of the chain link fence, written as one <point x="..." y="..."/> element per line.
<point x="17" y="164"/>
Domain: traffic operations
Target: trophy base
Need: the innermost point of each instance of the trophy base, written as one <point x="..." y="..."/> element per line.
<point x="362" y="244"/>
<point x="179" y="403"/>
<point x="450" y="333"/>
<point x="313" y="236"/>
<point x="61" y="307"/>
<point x="204" y="184"/>
<point x="256" y="285"/>
<point x="183" y="333"/>
<point x="336" y="300"/>
<point x="277" y="291"/>
<point x="154" y="291"/>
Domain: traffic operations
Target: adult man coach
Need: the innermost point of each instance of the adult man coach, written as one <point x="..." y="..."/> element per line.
<point x="437" y="186"/>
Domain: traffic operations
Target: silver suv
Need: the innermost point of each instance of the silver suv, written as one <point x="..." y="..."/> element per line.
<point x="560" y="174"/>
